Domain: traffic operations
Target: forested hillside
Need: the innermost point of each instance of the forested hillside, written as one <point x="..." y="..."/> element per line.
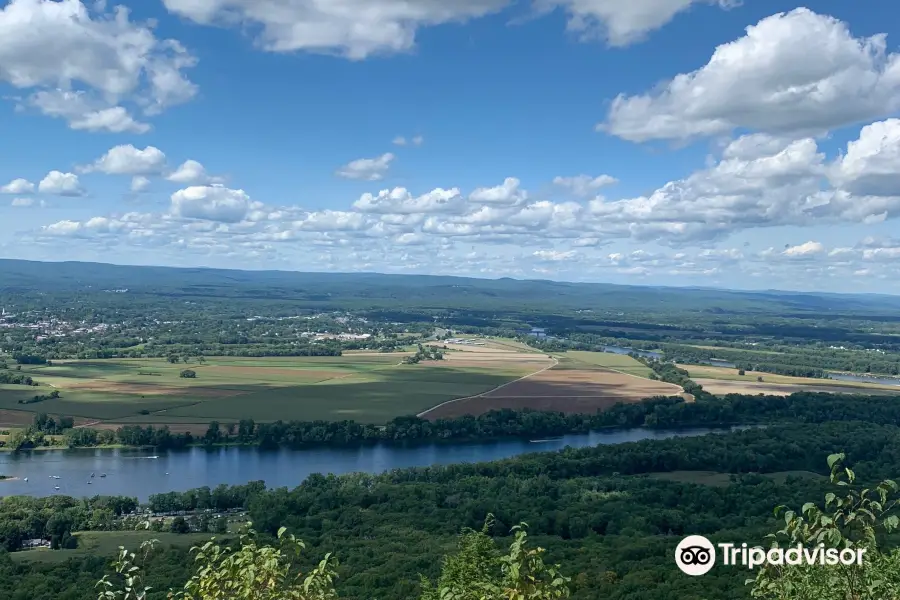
<point x="610" y="515"/>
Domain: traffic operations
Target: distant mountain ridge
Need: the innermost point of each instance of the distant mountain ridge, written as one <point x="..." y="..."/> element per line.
<point x="429" y="291"/>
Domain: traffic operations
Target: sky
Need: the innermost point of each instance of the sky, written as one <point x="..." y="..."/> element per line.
<point x="747" y="145"/>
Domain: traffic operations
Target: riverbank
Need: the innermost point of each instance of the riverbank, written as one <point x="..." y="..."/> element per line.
<point x="140" y="474"/>
<point x="396" y="443"/>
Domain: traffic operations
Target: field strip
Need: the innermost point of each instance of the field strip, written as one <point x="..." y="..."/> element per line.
<point x="633" y="375"/>
<point x="501" y="386"/>
<point x="646" y="378"/>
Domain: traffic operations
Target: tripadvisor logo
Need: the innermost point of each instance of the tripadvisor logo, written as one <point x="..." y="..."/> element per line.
<point x="696" y="555"/>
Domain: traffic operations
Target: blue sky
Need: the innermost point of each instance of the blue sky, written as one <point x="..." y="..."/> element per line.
<point x="748" y="145"/>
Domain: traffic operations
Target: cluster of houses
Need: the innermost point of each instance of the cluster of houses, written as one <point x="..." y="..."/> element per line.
<point x="45" y="328"/>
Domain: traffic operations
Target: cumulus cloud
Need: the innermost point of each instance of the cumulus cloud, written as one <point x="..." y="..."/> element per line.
<point x="620" y="23"/>
<point x="758" y="181"/>
<point x="508" y="192"/>
<point x="84" y="112"/>
<point x="128" y="160"/>
<point x="369" y="169"/>
<point x="399" y="201"/>
<point x="356" y="29"/>
<point x="192" y="172"/>
<point x="795" y="72"/>
<point x="22" y="202"/>
<point x="17" y="186"/>
<point x="81" y="62"/>
<point x="806" y="249"/>
<point x="871" y="165"/>
<point x="584" y="185"/>
<point x="139" y="183"/>
<point x="211" y="203"/>
<point x="61" y="184"/>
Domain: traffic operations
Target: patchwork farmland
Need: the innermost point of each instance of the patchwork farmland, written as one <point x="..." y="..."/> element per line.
<point x="366" y="387"/>
<point x="576" y="382"/>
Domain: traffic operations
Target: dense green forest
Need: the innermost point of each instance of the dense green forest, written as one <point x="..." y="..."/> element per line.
<point x="611" y="514"/>
<point x="603" y="512"/>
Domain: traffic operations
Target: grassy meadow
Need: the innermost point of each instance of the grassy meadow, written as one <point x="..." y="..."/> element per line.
<point x="366" y="387"/>
<point x="106" y="543"/>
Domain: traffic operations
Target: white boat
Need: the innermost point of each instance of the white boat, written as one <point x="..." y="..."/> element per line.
<point x="102" y="474"/>
<point x="56" y="487"/>
<point x="26" y="479"/>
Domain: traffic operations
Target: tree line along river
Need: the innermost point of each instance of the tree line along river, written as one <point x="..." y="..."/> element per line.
<point x="140" y="473"/>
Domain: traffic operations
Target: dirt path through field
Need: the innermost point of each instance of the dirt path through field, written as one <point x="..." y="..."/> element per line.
<point x="490" y="391"/>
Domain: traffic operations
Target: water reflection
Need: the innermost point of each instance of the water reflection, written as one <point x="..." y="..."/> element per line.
<point x="141" y="473"/>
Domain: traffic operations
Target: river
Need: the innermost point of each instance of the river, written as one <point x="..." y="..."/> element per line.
<point x="141" y="473"/>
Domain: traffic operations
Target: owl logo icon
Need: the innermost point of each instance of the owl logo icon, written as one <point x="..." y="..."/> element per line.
<point x="695" y="555"/>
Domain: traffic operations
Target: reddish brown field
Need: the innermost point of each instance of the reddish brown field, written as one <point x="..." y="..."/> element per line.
<point x="568" y="391"/>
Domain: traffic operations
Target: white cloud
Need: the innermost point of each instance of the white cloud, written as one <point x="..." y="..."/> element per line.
<point x="61" y="184"/>
<point x="62" y="227"/>
<point x="17" y="186"/>
<point x="399" y="201"/>
<point x="85" y="113"/>
<point x="192" y="172"/>
<point x="354" y="29"/>
<point x="211" y="203"/>
<point x="554" y="255"/>
<point x="792" y="72"/>
<point x="333" y="220"/>
<point x="53" y="48"/>
<point x="507" y="193"/>
<point x="22" y="202"/>
<point x="584" y="185"/>
<point x="139" y="183"/>
<point x="128" y="160"/>
<point x="369" y="169"/>
<point x="399" y="141"/>
<point x="871" y="166"/>
<point x="805" y="249"/>
<point x="418" y="140"/>
<point x="620" y="22"/>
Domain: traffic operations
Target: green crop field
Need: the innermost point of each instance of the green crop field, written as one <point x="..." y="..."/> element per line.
<point x="369" y="387"/>
<point x="106" y="543"/>
<point x="577" y="359"/>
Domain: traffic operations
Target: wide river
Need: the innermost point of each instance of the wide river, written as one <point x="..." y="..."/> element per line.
<point x="141" y="473"/>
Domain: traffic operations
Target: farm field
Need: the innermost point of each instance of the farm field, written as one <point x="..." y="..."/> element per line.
<point x="106" y="543"/>
<point x="367" y="387"/>
<point x="578" y="359"/>
<point x="722" y="380"/>
<point x="569" y="390"/>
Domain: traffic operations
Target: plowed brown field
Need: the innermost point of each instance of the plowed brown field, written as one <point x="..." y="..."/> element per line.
<point x="569" y="391"/>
